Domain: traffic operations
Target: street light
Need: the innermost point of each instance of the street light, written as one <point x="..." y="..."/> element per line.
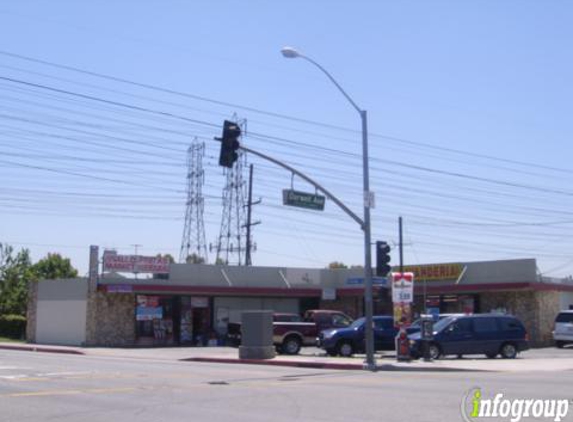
<point x="370" y="363"/>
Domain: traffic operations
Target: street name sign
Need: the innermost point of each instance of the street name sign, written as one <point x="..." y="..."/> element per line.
<point x="303" y="200"/>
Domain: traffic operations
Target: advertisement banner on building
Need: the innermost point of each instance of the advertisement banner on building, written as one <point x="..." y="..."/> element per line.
<point x="199" y="302"/>
<point x="112" y="261"/>
<point x="148" y="308"/>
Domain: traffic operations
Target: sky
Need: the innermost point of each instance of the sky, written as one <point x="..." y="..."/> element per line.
<point x="469" y="122"/>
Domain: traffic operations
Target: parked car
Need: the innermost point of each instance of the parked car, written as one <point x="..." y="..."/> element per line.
<point x="291" y="332"/>
<point x="489" y="334"/>
<point x="563" y="332"/>
<point x="350" y="340"/>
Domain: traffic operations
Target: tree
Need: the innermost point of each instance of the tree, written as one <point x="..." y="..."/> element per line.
<point x="336" y="265"/>
<point x="171" y="260"/>
<point x="195" y="259"/>
<point x="16" y="273"/>
<point x="167" y="256"/>
<point x="221" y="261"/>
<point x="54" y="266"/>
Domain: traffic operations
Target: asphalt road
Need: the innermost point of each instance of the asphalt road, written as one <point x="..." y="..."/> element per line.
<point x="68" y="388"/>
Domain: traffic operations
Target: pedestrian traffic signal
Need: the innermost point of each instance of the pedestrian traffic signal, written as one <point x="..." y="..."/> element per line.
<point x="382" y="259"/>
<point x="229" y="144"/>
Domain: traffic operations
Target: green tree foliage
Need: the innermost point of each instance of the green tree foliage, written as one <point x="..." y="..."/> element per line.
<point x="16" y="273"/>
<point x="54" y="266"/>
<point x="171" y="260"/>
<point x="194" y="259"/>
<point x="336" y="265"/>
<point x="167" y="256"/>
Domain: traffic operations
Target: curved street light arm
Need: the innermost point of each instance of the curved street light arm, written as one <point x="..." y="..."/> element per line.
<point x="309" y="180"/>
<point x="358" y="109"/>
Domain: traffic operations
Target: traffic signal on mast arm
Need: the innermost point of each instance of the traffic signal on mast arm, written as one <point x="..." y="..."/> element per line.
<point x="229" y="144"/>
<point x="382" y="259"/>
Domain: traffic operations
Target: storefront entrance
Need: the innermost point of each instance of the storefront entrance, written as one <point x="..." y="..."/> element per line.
<point x="447" y="304"/>
<point x="172" y="320"/>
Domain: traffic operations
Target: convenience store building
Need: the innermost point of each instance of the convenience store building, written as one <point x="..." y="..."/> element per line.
<point x="193" y="303"/>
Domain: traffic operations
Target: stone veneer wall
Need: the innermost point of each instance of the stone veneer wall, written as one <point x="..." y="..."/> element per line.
<point x="32" y="312"/>
<point x="110" y="319"/>
<point x="537" y="311"/>
<point x="549" y="305"/>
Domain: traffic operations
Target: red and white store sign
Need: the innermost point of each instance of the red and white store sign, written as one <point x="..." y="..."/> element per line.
<point x="402" y="287"/>
<point x="134" y="263"/>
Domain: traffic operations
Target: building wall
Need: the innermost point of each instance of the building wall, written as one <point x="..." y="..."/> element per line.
<point x="537" y="311"/>
<point x="548" y="303"/>
<point x="565" y="300"/>
<point x="31" y="314"/>
<point x="235" y="306"/>
<point x="350" y="305"/>
<point x="60" y="312"/>
<point x="506" y="271"/>
<point x="111" y="319"/>
<point x="61" y="322"/>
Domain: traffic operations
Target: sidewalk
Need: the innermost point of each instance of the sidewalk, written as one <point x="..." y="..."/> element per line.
<point x="535" y="360"/>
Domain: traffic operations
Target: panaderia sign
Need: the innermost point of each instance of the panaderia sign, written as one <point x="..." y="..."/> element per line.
<point x="435" y="271"/>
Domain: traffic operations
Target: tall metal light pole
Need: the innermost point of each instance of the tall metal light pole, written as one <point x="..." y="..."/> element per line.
<point x="370" y="362"/>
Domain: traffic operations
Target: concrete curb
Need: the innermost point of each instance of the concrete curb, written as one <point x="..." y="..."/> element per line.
<point x="329" y="365"/>
<point x="295" y="364"/>
<point x="32" y="348"/>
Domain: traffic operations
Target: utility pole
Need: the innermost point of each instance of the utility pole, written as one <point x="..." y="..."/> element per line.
<point x="401" y="245"/>
<point x="250" y="203"/>
<point x="135" y="246"/>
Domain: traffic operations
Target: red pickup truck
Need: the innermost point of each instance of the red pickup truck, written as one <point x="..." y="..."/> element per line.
<point x="291" y="332"/>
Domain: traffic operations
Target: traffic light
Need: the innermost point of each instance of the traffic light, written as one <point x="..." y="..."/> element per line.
<point x="229" y="144"/>
<point x="382" y="259"/>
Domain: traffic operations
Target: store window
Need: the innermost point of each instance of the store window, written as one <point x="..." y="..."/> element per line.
<point x="154" y="320"/>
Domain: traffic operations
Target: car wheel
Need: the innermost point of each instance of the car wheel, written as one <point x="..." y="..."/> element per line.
<point x="491" y="355"/>
<point x="291" y="345"/>
<point x="345" y="349"/>
<point x="434" y="351"/>
<point x="559" y="344"/>
<point x="508" y="351"/>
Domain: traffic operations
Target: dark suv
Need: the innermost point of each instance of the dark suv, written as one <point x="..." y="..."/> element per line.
<point x="488" y="334"/>
<point x="350" y="340"/>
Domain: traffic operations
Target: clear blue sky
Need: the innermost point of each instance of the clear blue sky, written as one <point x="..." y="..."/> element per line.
<point x="469" y="115"/>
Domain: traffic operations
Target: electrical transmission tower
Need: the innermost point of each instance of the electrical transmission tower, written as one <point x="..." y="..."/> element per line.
<point x="193" y="241"/>
<point x="231" y="244"/>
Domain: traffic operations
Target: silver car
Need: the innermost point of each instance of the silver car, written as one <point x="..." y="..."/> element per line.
<point x="563" y="333"/>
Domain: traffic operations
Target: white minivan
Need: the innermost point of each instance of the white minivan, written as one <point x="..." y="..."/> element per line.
<point x="563" y="333"/>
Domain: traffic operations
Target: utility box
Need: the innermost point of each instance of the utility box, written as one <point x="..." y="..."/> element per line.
<point x="427" y="335"/>
<point x="427" y="329"/>
<point x="257" y="335"/>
